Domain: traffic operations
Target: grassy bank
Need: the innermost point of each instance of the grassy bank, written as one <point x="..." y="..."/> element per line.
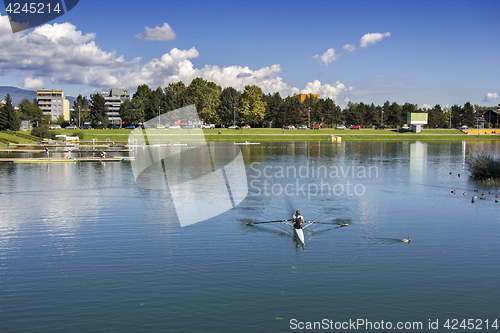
<point x="14" y="138"/>
<point x="276" y="134"/>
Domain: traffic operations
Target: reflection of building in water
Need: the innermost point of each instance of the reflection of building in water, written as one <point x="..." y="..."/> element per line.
<point x="418" y="160"/>
<point x="464" y="152"/>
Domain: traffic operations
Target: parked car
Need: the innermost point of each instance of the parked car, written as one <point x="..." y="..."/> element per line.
<point x="71" y="127"/>
<point x="381" y="127"/>
<point x="405" y="127"/>
<point x="342" y="127"/>
<point x="208" y="126"/>
<point x="303" y="127"/>
<point x="464" y="127"/>
<point x="291" y="127"/>
<point x="233" y="127"/>
<point x="189" y="127"/>
<point x="86" y="127"/>
<point x="114" y="127"/>
<point x="100" y="127"/>
<point x="356" y="127"/>
<point x="54" y="126"/>
<point x="130" y="127"/>
<point x="286" y="127"/>
<point x="174" y="127"/>
<point x="316" y="127"/>
<point x="246" y="126"/>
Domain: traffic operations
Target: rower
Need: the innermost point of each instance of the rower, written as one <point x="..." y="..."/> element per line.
<point x="298" y="220"/>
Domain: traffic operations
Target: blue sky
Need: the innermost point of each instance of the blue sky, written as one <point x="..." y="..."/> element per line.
<point x="422" y="52"/>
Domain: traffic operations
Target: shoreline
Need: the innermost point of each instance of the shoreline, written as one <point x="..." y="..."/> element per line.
<point x="273" y="135"/>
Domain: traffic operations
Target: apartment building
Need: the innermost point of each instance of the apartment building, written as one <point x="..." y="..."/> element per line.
<point x="114" y="99"/>
<point x="52" y="102"/>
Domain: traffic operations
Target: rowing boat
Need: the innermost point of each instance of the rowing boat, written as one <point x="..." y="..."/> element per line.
<point x="299" y="232"/>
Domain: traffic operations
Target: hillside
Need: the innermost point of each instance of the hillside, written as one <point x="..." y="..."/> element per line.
<point x="18" y="94"/>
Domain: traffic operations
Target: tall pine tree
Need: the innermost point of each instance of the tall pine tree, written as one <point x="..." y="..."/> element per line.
<point x="9" y="119"/>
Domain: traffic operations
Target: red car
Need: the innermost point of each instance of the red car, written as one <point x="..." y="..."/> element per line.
<point x="355" y="127"/>
<point x="316" y="127"/>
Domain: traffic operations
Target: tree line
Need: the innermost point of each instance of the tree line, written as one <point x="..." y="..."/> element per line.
<point x="251" y="106"/>
<point x="229" y="106"/>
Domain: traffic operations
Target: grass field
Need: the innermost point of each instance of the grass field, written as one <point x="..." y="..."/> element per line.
<point x="272" y="134"/>
<point x="15" y="138"/>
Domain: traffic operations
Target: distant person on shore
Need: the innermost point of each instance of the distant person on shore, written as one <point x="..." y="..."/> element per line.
<point x="103" y="154"/>
<point x="47" y="153"/>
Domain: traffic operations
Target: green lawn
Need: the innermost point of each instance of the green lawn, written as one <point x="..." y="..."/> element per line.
<point x="15" y="138"/>
<point x="276" y="134"/>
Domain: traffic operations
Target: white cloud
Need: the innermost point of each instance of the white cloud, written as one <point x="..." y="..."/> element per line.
<point x="164" y="33"/>
<point x="370" y="39"/>
<point x="61" y="53"/>
<point x="490" y="96"/>
<point x="30" y="83"/>
<point x="365" y="41"/>
<point x="326" y="90"/>
<point x="426" y="107"/>
<point x="327" y="57"/>
<point x="64" y="55"/>
<point x="350" y="48"/>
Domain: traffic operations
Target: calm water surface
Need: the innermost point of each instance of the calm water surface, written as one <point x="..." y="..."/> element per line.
<point x="84" y="249"/>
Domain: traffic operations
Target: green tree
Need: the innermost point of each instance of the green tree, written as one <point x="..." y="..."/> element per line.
<point x="81" y="110"/>
<point x="131" y="112"/>
<point x="352" y="114"/>
<point x="311" y="109"/>
<point x="178" y="93"/>
<point x="386" y="111"/>
<point x="290" y="111"/>
<point x="30" y="111"/>
<point x="332" y="113"/>
<point x="394" y="117"/>
<point x="377" y="114"/>
<point x="252" y="107"/>
<point x="98" y="110"/>
<point x="437" y="117"/>
<point x="468" y="115"/>
<point x="61" y="121"/>
<point x="456" y="115"/>
<point x="205" y="96"/>
<point x="274" y="104"/>
<point x="229" y="104"/>
<point x="154" y="103"/>
<point x="9" y="119"/>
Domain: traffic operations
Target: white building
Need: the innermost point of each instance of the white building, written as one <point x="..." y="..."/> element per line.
<point x="52" y="102"/>
<point x="114" y="99"/>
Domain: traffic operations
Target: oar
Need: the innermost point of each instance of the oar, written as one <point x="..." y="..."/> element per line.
<point x="330" y="223"/>
<point x="250" y="223"/>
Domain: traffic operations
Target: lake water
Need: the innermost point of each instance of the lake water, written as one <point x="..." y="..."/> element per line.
<point x="84" y="249"/>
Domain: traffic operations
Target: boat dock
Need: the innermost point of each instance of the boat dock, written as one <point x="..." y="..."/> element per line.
<point x="60" y="160"/>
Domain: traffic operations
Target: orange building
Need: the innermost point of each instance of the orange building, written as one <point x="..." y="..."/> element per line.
<point x="303" y="96"/>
